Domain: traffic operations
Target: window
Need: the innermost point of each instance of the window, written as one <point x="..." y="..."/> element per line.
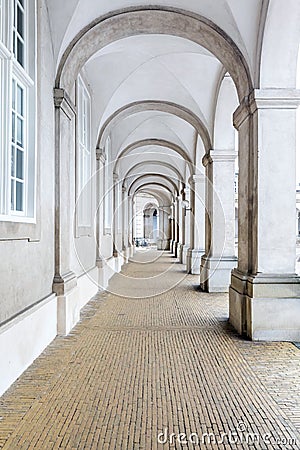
<point x="17" y="113"/>
<point x="18" y="154"/>
<point x="84" y="155"/>
<point x="19" y="31"/>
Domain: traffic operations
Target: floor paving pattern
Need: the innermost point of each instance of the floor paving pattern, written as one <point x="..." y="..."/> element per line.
<point x="148" y="371"/>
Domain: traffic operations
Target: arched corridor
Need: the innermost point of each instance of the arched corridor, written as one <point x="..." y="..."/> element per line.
<point x="159" y="141"/>
<point x="137" y="372"/>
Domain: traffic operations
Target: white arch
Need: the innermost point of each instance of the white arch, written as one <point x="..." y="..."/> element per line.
<point x="153" y="20"/>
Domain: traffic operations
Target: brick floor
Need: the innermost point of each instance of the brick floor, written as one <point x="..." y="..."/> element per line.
<point x="138" y="365"/>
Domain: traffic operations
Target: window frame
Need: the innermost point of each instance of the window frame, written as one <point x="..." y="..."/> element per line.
<point x="18" y="224"/>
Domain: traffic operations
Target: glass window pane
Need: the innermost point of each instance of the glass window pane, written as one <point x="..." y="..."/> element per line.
<point x="20" y="22"/>
<point x="14" y="94"/>
<point x="20" y="100"/>
<point x="20" y="52"/>
<point x="20" y="164"/>
<point x="12" y="161"/>
<point x="12" y="195"/>
<point x="20" y="132"/>
<point x="19" y="196"/>
<point x="13" y="127"/>
<point x="15" y="18"/>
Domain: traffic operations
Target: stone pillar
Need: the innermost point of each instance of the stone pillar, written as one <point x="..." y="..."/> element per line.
<point x="166" y="229"/>
<point x="65" y="281"/>
<point x="176" y="227"/>
<point x="264" y="295"/>
<point x="197" y="222"/>
<point x="173" y="228"/>
<point x="148" y="223"/>
<point x="134" y="222"/>
<point x="219" y="258"/>
<point x="163" y="242"/>
<point x="130" y="225"/>
<point x="187" y="225"/>
<point x="125" y="226"/>
<point x="100" y="261"/>
<point x="180" y="237"/>
<point x="117" y="237"/>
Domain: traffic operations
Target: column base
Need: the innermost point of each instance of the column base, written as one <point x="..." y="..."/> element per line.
<point x="216" y="272"/>
<point x="106" y="269"/>
<point x="172" y="246"/>
<point x="126" y="254"/>
<point x="179" y="252"/>
<point x="175" y="249"/>
<point x="119" y="261"/>
<point x="68" y="309"/>
<point x="194" y="261"/>
<point x="185" y="250"/>
<point x="265" y="307"/>
<point x="163" y="244"/>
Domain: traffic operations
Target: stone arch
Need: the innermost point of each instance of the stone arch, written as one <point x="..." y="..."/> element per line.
<point x="158" y="196"/>
<point x="155" y="105"/>
<point x="153" y="20"/>
<point x="154" y="183"/>
<point x="159" y="143"/>
<point x="159" y="163"/>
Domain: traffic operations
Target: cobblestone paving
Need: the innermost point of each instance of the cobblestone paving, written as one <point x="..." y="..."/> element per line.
<point x="136" y="367"/>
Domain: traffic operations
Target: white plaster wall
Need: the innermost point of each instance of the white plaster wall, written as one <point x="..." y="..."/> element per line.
<point x="27" y="268"/>
<point x="23" y="339"/>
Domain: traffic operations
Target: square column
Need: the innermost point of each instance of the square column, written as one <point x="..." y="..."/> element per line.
<point x="117" y="217"/>
<point x="125" y="226"/>
<point x="197" y="222"/>
<point x="179" y="228"/>
<point x="265" y="291"/>
<point x="164" y="228"/>
<point x="187" y="225"/>
<point x="65" y="280"/>
<point x="219" y="258"/>
<point x="173" y="228"/>
<point x="130" y="225"/>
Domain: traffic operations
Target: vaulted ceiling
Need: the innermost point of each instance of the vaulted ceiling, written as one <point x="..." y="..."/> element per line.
<point x="156" y="95"/>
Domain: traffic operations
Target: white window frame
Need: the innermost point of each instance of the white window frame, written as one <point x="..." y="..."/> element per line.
<point x="84" y="156"/>
<point x="25" y="77"/>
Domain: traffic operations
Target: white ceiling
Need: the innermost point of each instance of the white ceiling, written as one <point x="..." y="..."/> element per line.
<point x="157" y="68"/>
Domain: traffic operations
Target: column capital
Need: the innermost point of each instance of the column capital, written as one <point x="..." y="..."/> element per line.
<point x="274" y="99"/>
<point x="100" y="155"/>
<point x="63" y="101"/>
<point x="115" y="177"/>
<point x="124" y="189"/>
<point x="265" y="99"/>
<point x="223" y="155"/>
